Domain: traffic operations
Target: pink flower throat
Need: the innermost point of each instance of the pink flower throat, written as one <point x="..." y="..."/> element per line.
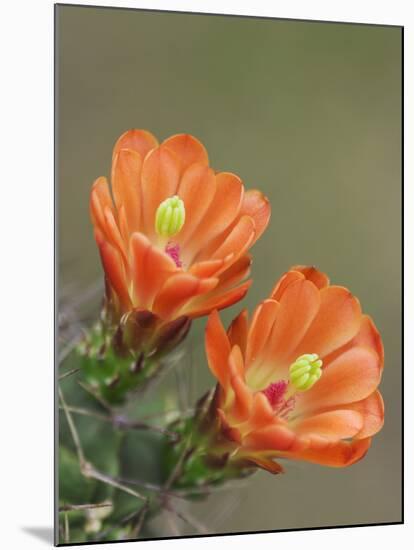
<point x="173" y="251"/>
<point x="275" y="394"/>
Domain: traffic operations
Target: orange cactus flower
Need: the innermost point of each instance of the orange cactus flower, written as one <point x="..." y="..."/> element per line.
<point x="300" y="380"/>
<point x="174" y="235"/>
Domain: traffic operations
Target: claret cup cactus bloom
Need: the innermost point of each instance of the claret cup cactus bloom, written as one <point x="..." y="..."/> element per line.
<point x="174" y="234"/>
<point x="299" y="380"/>
<point x="174" y="241"/>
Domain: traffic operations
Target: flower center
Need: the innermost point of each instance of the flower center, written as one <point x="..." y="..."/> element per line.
<point x="170" y="217"/>
<point x="275" y="392"/>
<point x="173" y="251"/>
<point x="303" y="374"/>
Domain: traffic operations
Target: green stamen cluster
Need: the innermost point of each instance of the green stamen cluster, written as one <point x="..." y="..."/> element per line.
<point x="170" y="217"/>
<point x="305" y="371"/>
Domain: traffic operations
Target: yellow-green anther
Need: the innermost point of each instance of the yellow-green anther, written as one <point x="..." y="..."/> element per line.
<point x="305" y="371"/>
<point x="170" y="217"/>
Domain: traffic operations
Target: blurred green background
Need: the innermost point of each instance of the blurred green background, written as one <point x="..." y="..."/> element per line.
<point x="310" y="113"/>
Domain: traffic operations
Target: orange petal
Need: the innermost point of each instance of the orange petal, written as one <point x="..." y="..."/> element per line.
<point x="351" y="377"/>
<point x="217" y="349"/>
<point x="222" y="297"/>
<point x="284" y="282"/>
<point x="260" y="328"/>
<point x="126" y="186"/>
<point x="240" y="407"/>
<point x="187" y="149"/>
<point x="235" y="273"/>
<point x="177" y="291"/>
<point x="218" y="300"/>
<point x="271" y="438"/>
<point x="99" y="236"/>
<point x="113" y="234"/>
<point x="114" y="271"/>
<point x="339" y="454"/>
<point x="236" y="362"/>
<point x="239" y="239"/>
<point x="318" y="278"/>
<point x="369" y="337"/>
<point x="207" y="268"/>
<point x="336" y="424"/>
<point x="337" y="321"/>
<point x="257" y="206"/>
<point x="372" y="412"/>
<point x="265" y="463"/>
<point x="237" y="331"/>
<point x="123" y="224"/>
<point x="261" y="414"/>
<point x="159" y="180"/>
<point x="140" y="141"/>
<point x="299" y="305"/>
<point x="222" y="211"/>
<point x="100" y="199"/>
<point x="150" y="269"/>
<point x="197" y="189"/>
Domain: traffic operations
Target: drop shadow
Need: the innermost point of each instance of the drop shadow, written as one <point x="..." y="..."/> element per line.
<point x="42" y="533"/>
